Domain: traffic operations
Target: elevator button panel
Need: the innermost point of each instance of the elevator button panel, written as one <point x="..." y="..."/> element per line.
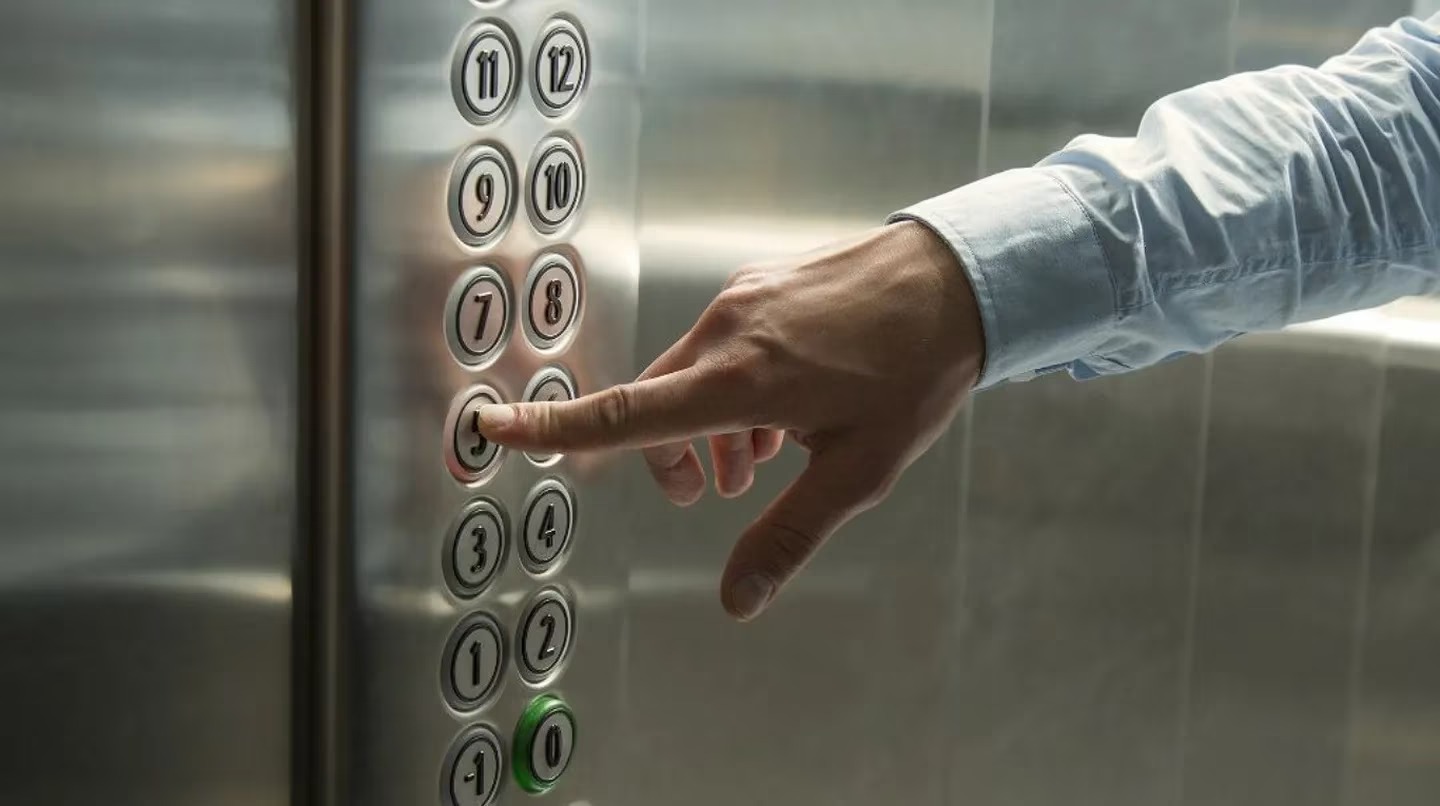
<point x="548" y="526"/>
<point x="478" y="320"/>
<point x="557" y="184"/>
<point x="471" y="457"/>
<point x="561" y="66"/>
<point x="544" y="636"/>
<point x="473" y="769"/>
<point x="486" y="73"/>
<point x="513" y="197"/>
<point x="553" y="298"/>
<point x="482" y="195"/>
<point x="544" y="744"/>
<point x="475" y="662"/>
<point x="476" y="550"/>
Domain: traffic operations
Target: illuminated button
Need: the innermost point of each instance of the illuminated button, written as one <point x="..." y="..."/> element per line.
<point x="548" y="526"/>
<point x="557" y="184"/>
<point x="472" y="769"/>
<point x="551" y="385"/>
<point x="547" y="629"/>
<point x="482" y="195"/>
<point x="478" y="316"/>
<point x="553" y="300"/>
<point x="486" y="73"/>
<point x="474" y="658"/>
<point x="562" y="66"/>
<point x="475" y="551"/>
<point x="544" y="744"/>
<point x="471" y="457"/>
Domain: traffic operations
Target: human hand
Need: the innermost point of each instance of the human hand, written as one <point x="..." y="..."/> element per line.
<point x="862" y="352"/>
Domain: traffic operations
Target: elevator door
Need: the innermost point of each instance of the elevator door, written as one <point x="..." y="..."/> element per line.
<point x="148" y="284"/>
<point x="494" y="260"/>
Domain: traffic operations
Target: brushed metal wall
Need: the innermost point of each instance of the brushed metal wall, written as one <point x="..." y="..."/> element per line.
<point x="770" y="128"/>
<point x="148" y="276"/>
<point x="1209" y="583"/>
<point x="1214" y="582"/>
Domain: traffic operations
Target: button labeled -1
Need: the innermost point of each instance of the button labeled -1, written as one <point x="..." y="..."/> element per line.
<point x="472" y="769"/>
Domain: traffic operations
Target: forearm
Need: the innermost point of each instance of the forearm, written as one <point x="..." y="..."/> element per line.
<point x="1241" y="205"/>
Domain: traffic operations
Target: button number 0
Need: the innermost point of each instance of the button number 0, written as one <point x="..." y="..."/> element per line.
<point x="554" y="746"/>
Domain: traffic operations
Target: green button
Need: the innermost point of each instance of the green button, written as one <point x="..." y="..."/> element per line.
<point x="544" y="743"/>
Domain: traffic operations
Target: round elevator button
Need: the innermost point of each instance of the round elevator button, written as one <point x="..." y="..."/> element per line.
<point x="544" y="744"/>
<point x="472" y="769"/>
<point x="478" y="316"/>
<point x="471" y="457"/>
<point x="551" y="385"/>
<point x="557" y="184"/>
<point x="482" y="194"/>
<point x="476" y="548"/>
<point x="475" y="657"/>
<point x="548" y="527"/>
<point x="547" y="629"/>
<point x="562" y="66"/>
<point x="552" y="293"/>
<point x="486" y="73"/>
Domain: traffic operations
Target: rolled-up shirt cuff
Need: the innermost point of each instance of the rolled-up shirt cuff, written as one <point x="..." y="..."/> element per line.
<point x="1040" y="275"/>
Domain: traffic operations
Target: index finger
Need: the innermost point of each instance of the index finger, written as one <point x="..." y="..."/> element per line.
<point x="690" y="403"/>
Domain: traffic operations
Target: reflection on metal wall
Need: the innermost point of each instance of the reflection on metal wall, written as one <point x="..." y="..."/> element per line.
<point x="769" y="128"/>
<point x="1209" y="583"/>
<point x="148" y="279"/>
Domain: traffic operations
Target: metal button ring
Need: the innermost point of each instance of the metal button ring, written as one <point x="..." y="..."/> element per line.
<point x="471" y="458"/>
<point x="486" y="73"/>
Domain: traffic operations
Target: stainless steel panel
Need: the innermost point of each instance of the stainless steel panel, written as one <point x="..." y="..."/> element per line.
<point x="1290" y="457"/>
<point x="1079" y="545"/>
<point x="1082" y="505"/>
<point x="147" y="400"/>
<point x="408" y="132"/>
<point x="1394" y="736"/>
<point x="770" y="128"/>
<point x="1274" y="32"/>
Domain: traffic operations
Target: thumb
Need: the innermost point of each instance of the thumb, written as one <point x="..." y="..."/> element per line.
<point x="839" y="484"/>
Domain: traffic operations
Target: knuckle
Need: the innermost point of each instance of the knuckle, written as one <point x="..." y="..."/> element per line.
<point x="613" y="407"/>
<point x="743" y="276"/>
<point x="875" y="485"/>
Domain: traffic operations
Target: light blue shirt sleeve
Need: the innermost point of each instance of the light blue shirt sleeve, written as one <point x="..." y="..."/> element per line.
<point x="1240" y="205"/>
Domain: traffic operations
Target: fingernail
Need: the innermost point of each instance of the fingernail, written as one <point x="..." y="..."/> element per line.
<point x="497" y="416"/>
<point x="750" y="595"/>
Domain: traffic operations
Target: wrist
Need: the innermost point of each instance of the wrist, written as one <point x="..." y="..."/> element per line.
<point x="924" y="247"/>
